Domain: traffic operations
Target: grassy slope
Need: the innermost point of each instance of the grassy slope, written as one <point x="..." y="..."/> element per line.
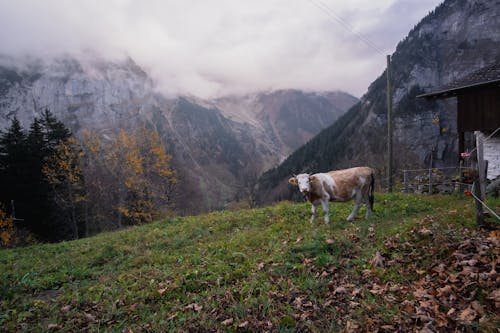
<point x="264" y="269"/>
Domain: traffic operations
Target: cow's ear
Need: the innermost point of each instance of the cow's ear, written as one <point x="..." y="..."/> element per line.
<point x="312" y="179"/>
<point x="293" y="181"/>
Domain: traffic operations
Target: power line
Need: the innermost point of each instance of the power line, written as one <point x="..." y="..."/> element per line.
<point x="335" y="17"/>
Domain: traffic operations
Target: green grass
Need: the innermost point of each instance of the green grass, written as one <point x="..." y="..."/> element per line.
<point x="249" y="270"/>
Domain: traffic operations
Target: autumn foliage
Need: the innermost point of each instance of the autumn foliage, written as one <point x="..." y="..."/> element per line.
<point x="7" y="229"/>
<point x="60" y="187"/>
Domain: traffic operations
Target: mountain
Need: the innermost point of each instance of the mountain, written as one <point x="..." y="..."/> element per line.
<point x="455" y="39"/>
<point x="219" y="146"/>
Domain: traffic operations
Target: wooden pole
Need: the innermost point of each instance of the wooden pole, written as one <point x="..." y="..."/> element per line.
<point x="480" y="179"/>
<point x="481" y="164"/>
<point x="389" y="124"/>
<point x="430" y="172"/>
<point x="405" y="180"/>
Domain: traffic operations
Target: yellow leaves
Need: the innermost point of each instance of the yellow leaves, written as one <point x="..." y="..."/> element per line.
<point x="130" y="171"/>
<point x="63" y="167"/>
<point x="7" y="229"/>
<point x="5" y="238"/>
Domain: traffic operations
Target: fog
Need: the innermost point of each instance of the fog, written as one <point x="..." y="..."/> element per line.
<point x="219" y="47"/>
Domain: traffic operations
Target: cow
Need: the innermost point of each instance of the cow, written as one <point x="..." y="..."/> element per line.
<point x="339" y="185"/>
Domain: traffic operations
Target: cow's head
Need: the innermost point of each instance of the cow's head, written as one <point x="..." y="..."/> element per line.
<point x="303" y="181"/>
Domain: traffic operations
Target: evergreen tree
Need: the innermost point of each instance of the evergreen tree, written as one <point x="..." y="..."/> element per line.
<point x="13" y="168"/>
<point x="38" y="217"/>
<point x="54" y="132"/>
<point x="48" y="134"/>
<point x="24" y="189"/>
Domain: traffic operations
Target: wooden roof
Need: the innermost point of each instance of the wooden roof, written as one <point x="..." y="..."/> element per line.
<point x="483" y="77"/>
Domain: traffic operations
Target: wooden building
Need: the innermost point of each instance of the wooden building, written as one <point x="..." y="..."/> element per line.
<point x="478" y="110"/>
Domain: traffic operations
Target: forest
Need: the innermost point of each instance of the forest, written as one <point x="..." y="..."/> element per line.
<point x="57" y="187"/>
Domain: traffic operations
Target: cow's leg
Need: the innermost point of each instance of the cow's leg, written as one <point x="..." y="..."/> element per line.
<point x="326" y="209"/>
<point x="365" y="199"/>
<point x="357" y="204"/>
<point x="313" y="213"/>
<point x="353" y="213"/>
<point x="368" y="207"/>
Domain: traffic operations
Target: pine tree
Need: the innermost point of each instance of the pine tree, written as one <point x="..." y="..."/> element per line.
<point x="13" y="167"/>
<point x="54" y="132"/>
<point x="24" y="190"/>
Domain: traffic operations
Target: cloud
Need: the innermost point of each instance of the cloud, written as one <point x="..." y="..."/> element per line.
<point x="216" y="47"/>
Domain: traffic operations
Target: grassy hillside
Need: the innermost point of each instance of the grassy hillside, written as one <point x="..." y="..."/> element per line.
<point x="418" y="263"/>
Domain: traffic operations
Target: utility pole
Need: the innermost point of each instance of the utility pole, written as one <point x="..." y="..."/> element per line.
<point x="389" y="125"/>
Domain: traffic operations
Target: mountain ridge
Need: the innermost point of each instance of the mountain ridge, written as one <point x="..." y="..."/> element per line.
<point x="455" y="39"/>
<point x="218" y="145"/>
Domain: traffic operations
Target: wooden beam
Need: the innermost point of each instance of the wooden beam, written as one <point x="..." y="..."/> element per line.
<point x="479" y="180"/>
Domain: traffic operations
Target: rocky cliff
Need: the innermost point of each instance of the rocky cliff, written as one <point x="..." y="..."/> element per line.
<point x="219" y="146"/>
<point x="457" y="38"/>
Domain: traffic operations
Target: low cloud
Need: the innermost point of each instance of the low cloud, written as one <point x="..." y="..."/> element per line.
<point x="218" y="47"/>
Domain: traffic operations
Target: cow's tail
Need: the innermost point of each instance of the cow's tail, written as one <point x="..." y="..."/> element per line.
<point x="371" y="196"/>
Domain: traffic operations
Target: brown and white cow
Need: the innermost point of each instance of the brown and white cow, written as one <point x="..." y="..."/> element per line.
<point x="340" y="185"/>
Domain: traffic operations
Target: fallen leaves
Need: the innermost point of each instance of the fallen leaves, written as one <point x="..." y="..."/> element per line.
<point x="467" y="315"/>
<point x="378" y="260"/>
<point x="228" y="321"/>
<point x="194" y="306"/>
<point x="421" y="280"/>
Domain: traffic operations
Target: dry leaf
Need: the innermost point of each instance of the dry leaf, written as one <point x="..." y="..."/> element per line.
<point x="330" y="241"/>
<point x="408" y="306"/>
<point x="495" y="297"/>
<point x="477" y="307"/>
<point x="66" y="308"/>
<point x="340" y="290"/>
<point x="467" y="315"/>
<point x="378" y="289"/>
<point x="377" y="260"/>
<point x="162" y="291"/>
<point x="172" y="317"/>
<point x="495" y="234"/>
<point x="356" y="292"/>
<point x="388" y="328"/>
<point x="228" y="321"/>
<point x="299" y="239"/>
<point x="445" y="291"/>
<point x="327" y="303"/>
<point x="195" y="307"/>
<point x="421" y="293"/>
<point x="425" y="232"/>
<point x="89" y="316"/>
<point x="244" y="324"/>
<point x="351" y="326"/>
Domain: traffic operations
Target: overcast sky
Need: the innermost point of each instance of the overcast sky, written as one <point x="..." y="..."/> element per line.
<point x="215" y="47"/>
